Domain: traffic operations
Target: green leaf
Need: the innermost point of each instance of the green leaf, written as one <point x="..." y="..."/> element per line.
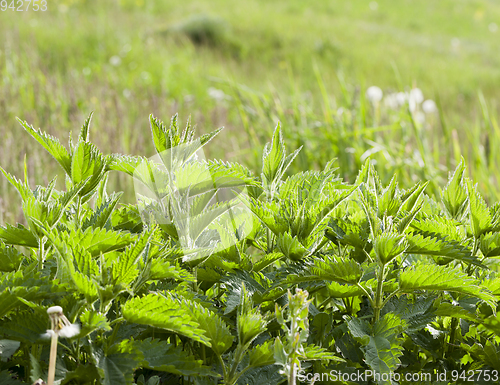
<point x="7" y="379"/>
<point x="125" y="270"/>
<point x="214" y="328"/>
<point x="433" y="244"/>
<point x="10" y="258"/>
<point x="52" y="145"/>
<point x="101" y="216"/>
<point x="489" y="244"/>
<point x="291" y="247"/>
<point x="97" y="240"/>
<point x="84" y="132"/>
<point x="488" y="354"/>
<point x="162" y="356"/>
<point x="26" y="326"/>
<point x="91" y="321"/>
<point x="381" y="344"/>
<point x="116" y="368"/>
<point x="454" y="196"/>
<point x="389" y="202"/>
<point x="337" y="290"/>
<point x="480" y="217"/>
<point x="410" y="197"/>
<point x="166" y="313"/>
<point x="273" y="156"/>
<point x="8" y="348"/>
<point x="19" y="235"/>
<point x="314" y="352"/>
<point x="416" y="315"/>
<point x="433" y="277"/>
<point x="87" y="163"/>
<point x="262" y="355"/>
<point x="337" y="270"/>
<point x="127" y="218"/>
<point x="388" y="246"/>
<point x="22" y="187"/>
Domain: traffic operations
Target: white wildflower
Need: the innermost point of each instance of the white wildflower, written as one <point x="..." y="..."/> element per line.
<point x="429" y="106"/>
<point x="374" y="94"/>
<point x="401" y="97"/>
<point x="115" y="60"/>
<point x="455" y="43"/>
<point x="493" y="27"/>
<point x="391" y="101"/>
<point x="420" y="117"/>
<point x="216" y="94"/>
<point x="416" y="95"/>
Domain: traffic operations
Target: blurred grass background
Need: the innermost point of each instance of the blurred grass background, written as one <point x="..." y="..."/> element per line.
<point x="246" y="65"/>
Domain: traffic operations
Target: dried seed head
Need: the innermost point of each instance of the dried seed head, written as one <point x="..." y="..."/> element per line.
<point x="60" y="324"/>
<point x="54" y="310"/>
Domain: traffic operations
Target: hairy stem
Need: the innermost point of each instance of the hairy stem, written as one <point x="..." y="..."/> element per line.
<point x="379" y="294"/>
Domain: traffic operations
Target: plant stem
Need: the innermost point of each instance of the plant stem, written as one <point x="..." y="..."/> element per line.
<point x="367" y="294"/>
<point x="238" y="356"/>
<point x="52" y="362"/>
<point x="41" y="252"/>
<point x="379" y="294"/>
<point x="78" y="206"/>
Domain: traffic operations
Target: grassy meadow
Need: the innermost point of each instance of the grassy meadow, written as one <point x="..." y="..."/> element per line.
<point x="248" y="65"/>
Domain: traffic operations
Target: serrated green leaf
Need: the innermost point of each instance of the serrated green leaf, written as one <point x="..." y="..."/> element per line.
<point x="291" y="247"/>
<point x="116" y="368"/>
<point x="8" y="348"/>
<point x="480" y="218"/>
<point x="273" y="156"/>
<point x="10" y="258"/>
<point x="93" y="320"/>
<point x="388" y="246"/>
<point x="84" y="132"/>
<point x="214" y="328"/>
<point x="262" y="355"/>
<point x="51" y="144"/>
<point x="87" y="163"/>
<point x="166" y="313"/>
<point x="19" y="235"/>
<point x="434" y="277"/>
<point x="162" y="356"/>
<point x="454" y="195"/>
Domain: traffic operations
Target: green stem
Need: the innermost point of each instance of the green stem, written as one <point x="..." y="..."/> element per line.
<point x="367" y="294"/>
<point x="41" y="252"/>
<point x="238" y="356"/>
<point x="78" y="208"/>
<point x="379" y="294"/>
<point x="397" y="291"/>
<point x="223" y="366"/>
<point x="451" y="341"/>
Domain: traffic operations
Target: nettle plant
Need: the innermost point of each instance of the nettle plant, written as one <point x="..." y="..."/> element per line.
<point x="220" y="276"/>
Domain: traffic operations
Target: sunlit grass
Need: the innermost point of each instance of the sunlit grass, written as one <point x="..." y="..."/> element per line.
<point x="307" y="64"/>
